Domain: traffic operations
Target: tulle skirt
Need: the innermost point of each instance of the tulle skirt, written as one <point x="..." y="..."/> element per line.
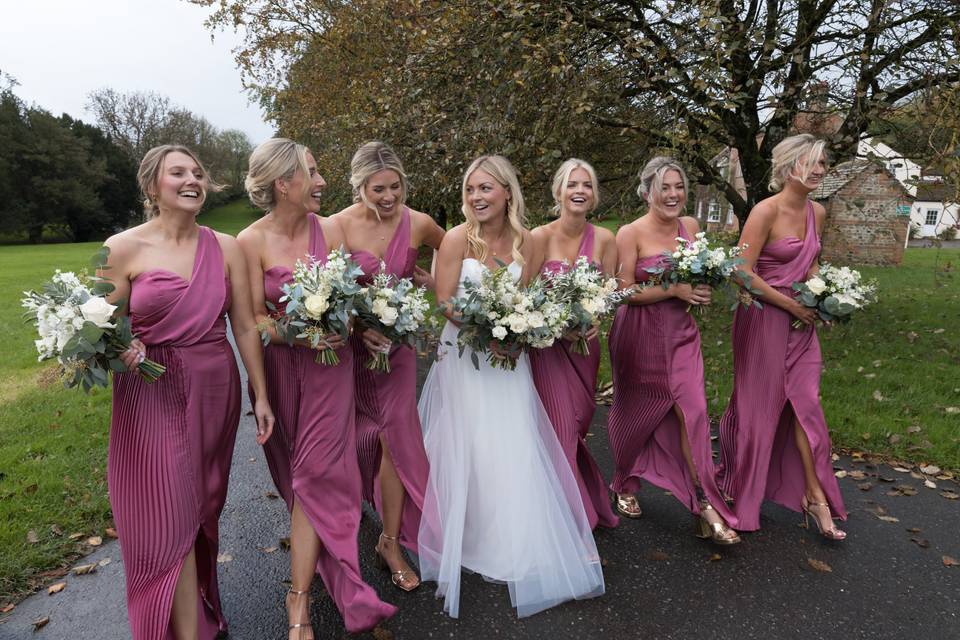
<point x="501" y="499"/>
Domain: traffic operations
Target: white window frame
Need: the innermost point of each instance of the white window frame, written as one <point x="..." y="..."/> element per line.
<point x="936" y="217"/>
<point x="713" y="211"/>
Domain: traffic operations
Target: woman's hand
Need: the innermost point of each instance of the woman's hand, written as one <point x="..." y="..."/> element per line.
<point x="806" y="315"/>
<point x="701" y="294"/>
<point x="422" y="278"/>
<point x="575" y="334"/>
<point x="265" y="420"/>
<point x="500" y="352"/>
<point x="375" y="342"/>
<point x="134" y="355"/>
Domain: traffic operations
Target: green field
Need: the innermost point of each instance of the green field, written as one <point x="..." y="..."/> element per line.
<point x="895" y="368"/>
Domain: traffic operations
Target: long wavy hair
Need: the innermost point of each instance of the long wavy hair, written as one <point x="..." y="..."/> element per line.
<point x="503" y="172"/>
<point x="371" y="158"/>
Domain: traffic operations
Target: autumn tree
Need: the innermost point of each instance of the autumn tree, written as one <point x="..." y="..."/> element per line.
<point x="607" y="79"/>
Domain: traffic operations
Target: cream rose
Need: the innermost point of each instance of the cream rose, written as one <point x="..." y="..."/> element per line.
<point x="816" y="285"/>
<point x="316" y="306"/>
<point x="499" y="332"/>
<point x="98" y="311"/>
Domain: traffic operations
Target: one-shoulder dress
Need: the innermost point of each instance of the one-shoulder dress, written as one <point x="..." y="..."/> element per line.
<point x="171" y="441"/>
<point x="312" y="454"/>
<point x="776" y="376"/>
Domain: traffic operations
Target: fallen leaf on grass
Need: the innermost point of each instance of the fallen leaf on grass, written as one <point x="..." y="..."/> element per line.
<point x="903" y="490"/>
<point x="930" y="469"/>
<point x="901" y="470"/>
<point x="888" y="518"/>
<point x="224" y="557"/>
<point x="952" y="409"/>
<point x="111" y="533"/>
<point x="923" y="543"/>
<point x="94" y="541"/>
<point x="914" y="428"/>
<point x="55" y="530"/>
<point x="819" y="565"/>
<point x="841" y="474"/>
<point x="84" y="569"/>
<point x="894" y="438"/>
<point x="40" y="623"/>
<point x="877" y="395"/>
<point x="856" y="474"/>
<point x="30" y="490"/>
<point x="949" y="561"/>
<point x="912" y="337"/>
<point x="56" y="588"/>
<point x="865" y="486"/>
<point x="930" y="484"/>
<point x="32" y="537"/>
<point x="950" y="495"/>
<point x="75" y="536"/>
<point x="104" y="562"/>
<point x="7" y="608"/>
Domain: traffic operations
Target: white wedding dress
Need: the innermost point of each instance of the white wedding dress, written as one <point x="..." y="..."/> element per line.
<point x="501" y="500"/>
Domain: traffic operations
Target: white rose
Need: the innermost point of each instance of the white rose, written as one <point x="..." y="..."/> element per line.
<point x="315" y="306"/>
<point x="98" y="311"/>
<point x="518" y="324"/>
<point x="589" y="305"/>
<point x="816" y="285"/>
<point x="499" y="333"/>
<point x="388" y="316"/>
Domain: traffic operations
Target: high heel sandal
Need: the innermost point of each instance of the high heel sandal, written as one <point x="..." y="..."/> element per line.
<point x="716" y="532"/>
<point x="300" y="626"/>
<point x="830" y="534"/>
<point x="398" y="578"/>
<point x="627" y="505"/>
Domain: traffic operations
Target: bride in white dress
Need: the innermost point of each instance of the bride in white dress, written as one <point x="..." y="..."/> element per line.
<point x="501" y="500"/>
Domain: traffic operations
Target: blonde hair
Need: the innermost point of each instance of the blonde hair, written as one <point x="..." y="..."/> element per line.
<point x="651" y="177"/>
<point x="148" y="175"/>
<point x="562" y="176"/>
<point x="273" y="159"/>
<point x="372" y="158"/>
<point x="503" y="172"/>
<point x="796" y="152"/>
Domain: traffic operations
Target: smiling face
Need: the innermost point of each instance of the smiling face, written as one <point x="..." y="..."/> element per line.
<point x="308" y="188"/>
<point x="182" y="184"/>
<point x="486" y="197"/>
<point x="810" y="174"/>
<point x="578" y="194"/>
<point x="669" y="200"/>
<point x="383" y="192"/>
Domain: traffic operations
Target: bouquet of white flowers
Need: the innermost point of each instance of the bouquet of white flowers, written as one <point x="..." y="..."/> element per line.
<point x="497" y="310"/>
<point x="319" y="301"/>
<point x="835" y="292"/>
<point x="695" y="262"/>
<point x="77" y="326"/>
<point x="397" y="309"/>
<point x="589" y="296"/>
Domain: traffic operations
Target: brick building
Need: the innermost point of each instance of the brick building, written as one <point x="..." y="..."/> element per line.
<point x="868" y="214"/>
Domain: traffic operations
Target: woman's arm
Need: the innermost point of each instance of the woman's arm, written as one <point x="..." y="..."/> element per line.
<point x="122" y="255"/>
<point x="251" y="244"/>
<point x="532" y="258"/>
<point x="449" y="262"/>
<point x="245" y="333"/>
<point x="429" y="233"/>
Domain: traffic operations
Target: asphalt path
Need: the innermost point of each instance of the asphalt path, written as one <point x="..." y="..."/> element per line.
<point x="888" y="580"/>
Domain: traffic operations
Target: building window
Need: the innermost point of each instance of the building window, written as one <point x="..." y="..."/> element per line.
<point x="730" y="216"/>
<point x="713" y="212"/>
<point x="932" y="215"/>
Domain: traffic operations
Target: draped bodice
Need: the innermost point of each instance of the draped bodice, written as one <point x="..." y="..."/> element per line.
<point x="787" y="260"/>
<point x="640" y="273"/>
<point x="276" y="276"/>
<point x="586" y="250"/>
<point x="399" y="258"/>
<point x="167" y="309"/>
<point x="472" y="269"/>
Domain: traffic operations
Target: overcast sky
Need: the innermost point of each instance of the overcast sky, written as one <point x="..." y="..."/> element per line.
<point x="60" y="50"/>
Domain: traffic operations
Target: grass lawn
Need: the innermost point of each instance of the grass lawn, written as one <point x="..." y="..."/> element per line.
<point x="895" y="368"/>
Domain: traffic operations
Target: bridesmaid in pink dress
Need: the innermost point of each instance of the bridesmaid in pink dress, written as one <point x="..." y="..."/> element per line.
<point x="773" y="437"/>
<point x="565" y="380"/>
<point x="658" y="425"/>
<point x="379" y="228"/>
<point x="312" y="456"/>
<point x="171" y="441"/>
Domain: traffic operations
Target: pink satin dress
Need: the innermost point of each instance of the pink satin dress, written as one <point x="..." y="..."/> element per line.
<point x="312" y="455"/>
<point x="171" y="441"/>
<point x="387" y="402"/>
<point x="657" y="370"/>
<point x="566" y="382"/>
<point x="776" y="371"/>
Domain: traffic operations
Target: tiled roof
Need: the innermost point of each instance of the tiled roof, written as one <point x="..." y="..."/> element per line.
<point x="838" y="177"/>
<point x="937" y="192"/>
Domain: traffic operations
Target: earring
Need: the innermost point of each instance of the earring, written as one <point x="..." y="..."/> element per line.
<point x="283" y="194"/>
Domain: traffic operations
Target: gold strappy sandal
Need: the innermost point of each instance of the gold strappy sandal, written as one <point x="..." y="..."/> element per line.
<point x="299" y="627"/>
<point x="405" y="580"/>
<point x="716" y="532"/>
<point x="627" y="505"/>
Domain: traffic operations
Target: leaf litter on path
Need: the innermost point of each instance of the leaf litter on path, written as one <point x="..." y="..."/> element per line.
<point x="819" y="565"/>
